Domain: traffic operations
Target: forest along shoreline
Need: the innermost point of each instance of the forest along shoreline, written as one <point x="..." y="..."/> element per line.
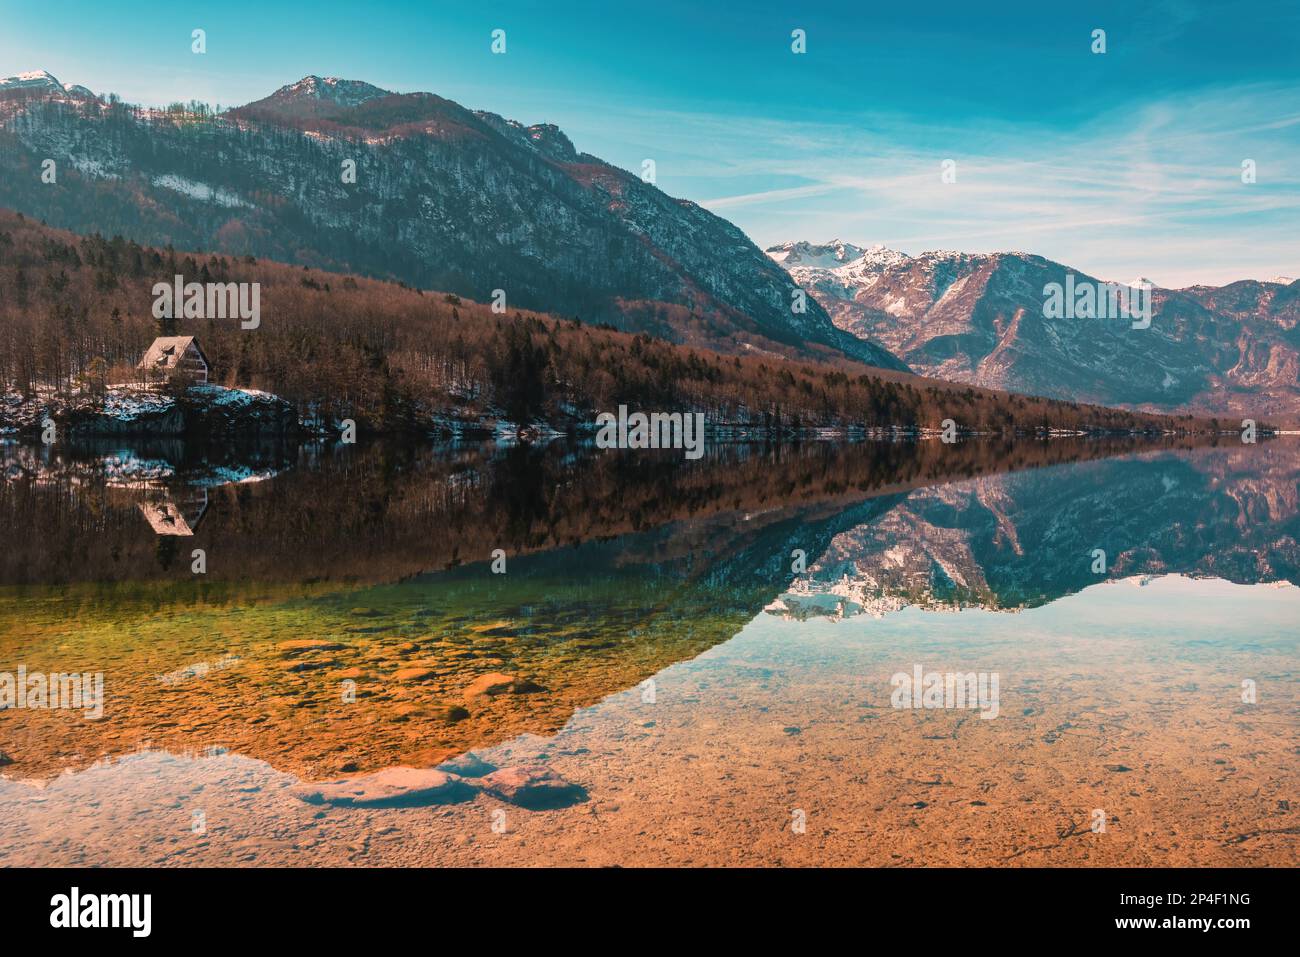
<point x="200" y="411"/>
<point x="81" y="346"/>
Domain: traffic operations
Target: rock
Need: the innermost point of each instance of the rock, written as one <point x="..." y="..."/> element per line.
<point x="305" y="665"/>
<point x="202" y="410"/>
<point x="415" y="674"/>
<point x="1118" y="768"/>
<point x="468" y="765"/>
<point x="5" y="759"/>
<point x="451" y="713"/>
<point x="391" y="787"/>
<point x="532" y="786"/>
<point x="495" y="683"/>
<point x="215" y="411"/>
<point x="490" y="684"/>
<point x="303" y="645"/>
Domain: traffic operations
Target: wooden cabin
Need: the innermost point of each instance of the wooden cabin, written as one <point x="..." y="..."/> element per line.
<point x="172" y="355"/>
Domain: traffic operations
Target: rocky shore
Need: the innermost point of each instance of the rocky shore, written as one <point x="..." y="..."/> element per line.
<point x="201" y="410"/>
<point x="207" y="412"/>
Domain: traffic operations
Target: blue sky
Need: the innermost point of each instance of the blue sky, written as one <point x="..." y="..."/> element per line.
<point x="1121" y="164"/>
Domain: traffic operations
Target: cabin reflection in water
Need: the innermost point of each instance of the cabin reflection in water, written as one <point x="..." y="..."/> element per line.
<point x="169" y="515"/>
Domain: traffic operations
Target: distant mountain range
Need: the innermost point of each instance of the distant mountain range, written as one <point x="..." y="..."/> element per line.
<point x="443" y="198"/>
<point x="979" y="319"/>
<point x="468" y="202"/>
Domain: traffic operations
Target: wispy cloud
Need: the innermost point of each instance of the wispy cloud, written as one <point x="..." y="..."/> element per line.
<point x="1119" y="164"/>
<point x="1154" y="188"/>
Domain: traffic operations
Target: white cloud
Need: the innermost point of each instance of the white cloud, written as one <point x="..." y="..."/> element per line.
<point x="1152" y="189"/>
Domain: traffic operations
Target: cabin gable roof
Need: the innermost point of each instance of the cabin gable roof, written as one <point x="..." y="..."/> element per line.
<point x="166" y="352"/>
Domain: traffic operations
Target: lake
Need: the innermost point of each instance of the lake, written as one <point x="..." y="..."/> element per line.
<point x="629" y="658"/>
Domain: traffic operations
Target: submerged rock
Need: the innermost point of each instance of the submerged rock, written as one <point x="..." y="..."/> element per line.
<point x="391" y="787"/>
<point x="468" y="765"/>
<point x="415" y="673"/>
<point x="302" y="645"/>
<point x="299" y="666"/>
<point x="495" y="683"/>
<point x="450" y="713"/>
<point x="489" y="684"/>
<point x="532" y="786"/>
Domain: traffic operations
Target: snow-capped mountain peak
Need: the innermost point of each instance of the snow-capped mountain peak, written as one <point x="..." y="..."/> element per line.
<point x="980" y="318"/>
<point x="33" y="79"/>
<point x="38" y="80"/>
<point x="42" y="82"/>
<point x="879" y="256"/>
<point x="331" y="88"/>
<point x="817" y="255"/>
<point x="835" y="255"/>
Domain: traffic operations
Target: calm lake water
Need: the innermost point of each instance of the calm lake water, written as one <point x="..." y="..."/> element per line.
<point x="697" y="662"/>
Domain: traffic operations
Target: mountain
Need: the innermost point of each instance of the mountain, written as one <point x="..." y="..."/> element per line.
<point x="979" y="319"/>
<point x="832" y="255"/>
<point x="41" y="84"/>
<point x="326" y="93"/>
<point x="442" y="198"/>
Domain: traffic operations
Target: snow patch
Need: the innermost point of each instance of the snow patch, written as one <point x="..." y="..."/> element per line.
<point x="200" y="191"/>
<point x="91" y="167"/>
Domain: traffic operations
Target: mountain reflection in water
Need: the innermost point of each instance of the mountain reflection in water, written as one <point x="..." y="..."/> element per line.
<point x="371" y="567"/>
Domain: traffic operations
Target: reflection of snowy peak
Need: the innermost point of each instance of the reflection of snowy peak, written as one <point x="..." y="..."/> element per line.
<point x="880" y="568"/>
<point x="1020" y="540"/>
